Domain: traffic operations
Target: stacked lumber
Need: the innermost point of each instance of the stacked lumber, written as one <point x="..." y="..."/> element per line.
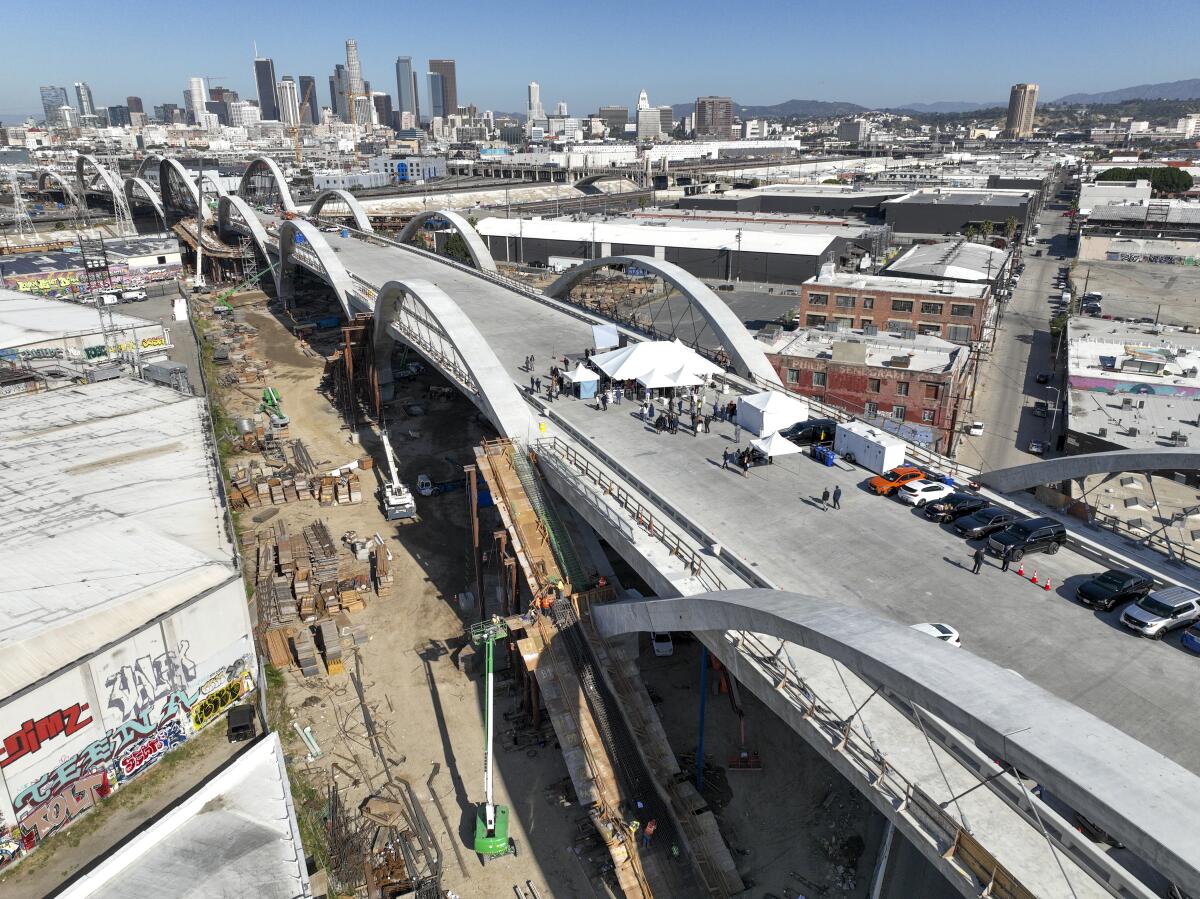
<point x="381" y="571"/>
<point x="331" y="646"/>
<point x="354" y="634"/>
<point x="325" y="491"/>
<point x="283" y="550"/>
<point x="306" y="652"/>
<point x="276" y="642"/>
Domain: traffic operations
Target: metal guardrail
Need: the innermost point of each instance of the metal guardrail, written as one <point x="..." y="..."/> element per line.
<point x="647" y="519"/>
<point x="1172" y="549"/>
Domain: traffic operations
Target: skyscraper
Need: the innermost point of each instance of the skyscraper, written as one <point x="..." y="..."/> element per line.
<point x="408" y="98"/>
<point x="643" y="100"/>
<point x="437" y="96"/>
<point x="197" y="97"/>
<point x="83" y="97"/>
<point x="308" y="100"/>
<point x="1022" y="101"/>
<point x="289" y="101"/>
<point x="534" y="108"/>
<point x="666" y="118"/>
<point x="268" y="99"/>
<point x="134" y="104"/>
<point x="354" y="67"/>
<point x="561" y="108"/>
<point x="615" y="119"/>
<point x="53" y="99"/>
<point x="118" y="115"/>
<point x="339" y="90"/>
<point x="714" y="118"/>
<point x="445" y="68"/>
<point x="383" y="108"/>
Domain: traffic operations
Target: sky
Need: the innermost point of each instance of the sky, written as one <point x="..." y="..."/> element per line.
<point x="872" y="53"/>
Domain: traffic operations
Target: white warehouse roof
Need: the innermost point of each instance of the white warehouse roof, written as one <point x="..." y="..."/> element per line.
<point x="623" y="232"/>
<point x="27" y="319"/>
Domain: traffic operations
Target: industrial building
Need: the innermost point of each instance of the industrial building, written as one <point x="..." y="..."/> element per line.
<point x="907" y="384"/>
<point x="38" y="332"/>
<point x="1104" y="193"/>
<point x="949" y="211"/>
<point x="798" y="199"/>
<point x="1164" y="232"/>
<point x="717" y="253"/>
<point x="956" y="260"/>
<point x="132" y="262"/>
<point x="126" y="628"/>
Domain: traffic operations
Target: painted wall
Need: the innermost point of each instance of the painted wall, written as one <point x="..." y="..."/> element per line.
<point x="70" y="742"/>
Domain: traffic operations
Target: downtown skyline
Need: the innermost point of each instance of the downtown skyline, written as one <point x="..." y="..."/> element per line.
<point x="492" y="76"/>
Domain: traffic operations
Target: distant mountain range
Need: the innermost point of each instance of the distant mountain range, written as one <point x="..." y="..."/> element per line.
<point x="788" y="108"/>
<point x="949" y="106"/>
<point x="1188" y="89"/>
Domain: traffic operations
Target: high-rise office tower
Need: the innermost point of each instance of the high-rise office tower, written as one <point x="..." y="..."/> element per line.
<point x="53" y="99"/>
<point x="308" y="100"/>
<point x="408" y="98"/>
<point x="437" y="96"/>
<point x="714" y="118"/>
<point x="643" y="100"/>
<point x="118" y="115"/>
<point x="134" y="104"/>
<point x="83" y="97"/>
<point x="268" y="99"/>
<point x="289" y="101"/>
<point x="354" y="67"/>
<point x="445" y="68"/>
<point x="666" y="117"/>
<point x="534" y="108"/>
<point x="1022" y="101"/>
<point x="615" y="119"/>
<point x="560" y="108"/>
<point x="196" y="97"/>
<point x="339" y="92"/>
<point x="383" y="108"/>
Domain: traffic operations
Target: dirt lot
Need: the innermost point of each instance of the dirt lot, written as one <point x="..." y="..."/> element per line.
<point x="427" y="712"/>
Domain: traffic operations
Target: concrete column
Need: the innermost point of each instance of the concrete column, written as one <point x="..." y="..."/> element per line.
<point x="881" y="863"/>
<point x="660" y="253"/>
<point x="605" y="250"/>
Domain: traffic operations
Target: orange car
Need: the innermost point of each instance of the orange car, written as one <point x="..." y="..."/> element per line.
<point x="890" y="481"/>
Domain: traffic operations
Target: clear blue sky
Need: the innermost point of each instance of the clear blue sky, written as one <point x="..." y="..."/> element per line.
<point x="870" y="52"/>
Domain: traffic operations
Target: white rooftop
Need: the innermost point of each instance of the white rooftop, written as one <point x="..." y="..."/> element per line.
<point x="27" y="319"/>
<point x="623" y="232"/>
<point x="235" y="836"/>
<point x="922" y="286"/>
<point x="957" y="260"/>
<point x="921" y="352"/>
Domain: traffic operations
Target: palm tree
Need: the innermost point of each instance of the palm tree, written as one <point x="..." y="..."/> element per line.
<point x="971" y="232"/>
<point x="988" y="228"/>
<point x="1010" y="227"/>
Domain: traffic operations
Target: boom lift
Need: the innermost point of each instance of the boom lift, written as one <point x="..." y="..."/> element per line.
<point x="491" y="821"/>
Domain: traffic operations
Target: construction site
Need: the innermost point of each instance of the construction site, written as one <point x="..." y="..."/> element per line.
<point x="423" y="595"/>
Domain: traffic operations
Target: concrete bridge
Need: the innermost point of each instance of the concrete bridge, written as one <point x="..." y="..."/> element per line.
<point x="689" y="527"/>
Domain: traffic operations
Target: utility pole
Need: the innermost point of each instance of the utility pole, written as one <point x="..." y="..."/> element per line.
<point x="198" y="281"/>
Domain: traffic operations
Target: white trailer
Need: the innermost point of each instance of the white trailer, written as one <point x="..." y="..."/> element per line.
<point x="873" y="449"/>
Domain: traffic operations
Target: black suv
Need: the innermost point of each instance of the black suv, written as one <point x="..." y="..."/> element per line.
<point x="815" y="430"/>
<point x="956" y="505"/>
<point x="1034" y="535"/>
<point x="1106" y="590"/>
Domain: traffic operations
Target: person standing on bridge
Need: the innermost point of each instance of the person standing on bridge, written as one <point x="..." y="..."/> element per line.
<point x="648" y="832"/>
<point x="604" y="401"/>
<point x="978" y="560"/>
<point x="825" y="500"/>
<point x="716" y="409"/>
<point x="538" y="385"/>
<point x="1005" y="558"/>
<point x="837" y="496"/>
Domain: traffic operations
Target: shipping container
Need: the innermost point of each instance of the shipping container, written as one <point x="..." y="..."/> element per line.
<point x="869" y="447"/>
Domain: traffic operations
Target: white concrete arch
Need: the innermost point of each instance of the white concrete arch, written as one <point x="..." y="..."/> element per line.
<point x="139" y="188"/>
<point x="313" y="245"/>
<point x="480" y="254"/>
<point x="1124" y="786"/>
<point x="230" y="206"/>
<point x="149" y="166"/>
<point x="265" y="165"/>
<point x="361" y="221"/>
<point x="173" y="178"/>
<point x="422" y="315"/>
<point x="69" y="192"/>
<point x="1066" y="468"/>
<point x="745" y="352"/>
<point x="83" y="162"/>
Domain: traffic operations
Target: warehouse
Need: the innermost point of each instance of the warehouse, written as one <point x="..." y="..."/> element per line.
<point x="944" y="211"/>
<point x="799" y="199"/>
<point x="132" y="262"/>
<point x="724" y="254"/>
<point x="40" y="331"/>
<point x="126" y="629"/>
<point x="956" y="260"/>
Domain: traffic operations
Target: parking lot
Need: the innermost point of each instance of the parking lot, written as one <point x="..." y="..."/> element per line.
<point x="1169" y="294"/>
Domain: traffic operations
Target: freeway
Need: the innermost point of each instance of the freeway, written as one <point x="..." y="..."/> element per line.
<point x="874" y="553"/>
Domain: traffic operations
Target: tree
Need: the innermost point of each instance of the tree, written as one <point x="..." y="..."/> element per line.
<point x="1010" y="227"/>
<point x="987" y="228"/>
<point x="456" y="248"/>
<point x="971" y="232"/>
<point x="1163" y="179"/>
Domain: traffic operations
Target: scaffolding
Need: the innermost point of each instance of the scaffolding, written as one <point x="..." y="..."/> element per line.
<point x="21" y="220"/>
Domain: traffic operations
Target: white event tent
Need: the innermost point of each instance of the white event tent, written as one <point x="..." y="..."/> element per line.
<point x="656" y="364"/>
<point x="774" y="445"/>
<point x="769" y="411"/>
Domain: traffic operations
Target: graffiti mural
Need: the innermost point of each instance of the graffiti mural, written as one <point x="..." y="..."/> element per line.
<point x="133" y="689"/>
<point x="149" y="751"/>
<point x="220" y="699"/>
<point x="65" y="806"/>
<point x="33" y="734"/>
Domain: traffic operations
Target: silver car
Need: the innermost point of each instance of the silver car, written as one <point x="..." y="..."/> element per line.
<point x="1161" y="611"/>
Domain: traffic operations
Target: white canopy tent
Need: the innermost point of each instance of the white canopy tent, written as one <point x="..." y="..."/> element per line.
<point x="769" y="411"/>
<point x="605" y="336"/>
<point x="656" y="363"/>
<point x="774" y="444"/>
<point x="579" y="374"/>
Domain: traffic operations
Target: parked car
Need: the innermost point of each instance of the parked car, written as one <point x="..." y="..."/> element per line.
<point x="1033" y="535"/>
<point x="1113" y="587"/>
<point x="1037" y="447"/>
<point x="889" y="482"/>
<point x="918" y="493"/>
<point x="662" y="643"/>
<point x="1161" y="611"/>
<point x="1191" y="638"/>
<point x="1041" y="409"/>
<point x="984" y="522"/>
<point x="954" y="506"/>
<point x="943" y="632"/>
<point x="975" y="429"/>
<point x="1044" y="377"/>
<point x="815" y="430"/>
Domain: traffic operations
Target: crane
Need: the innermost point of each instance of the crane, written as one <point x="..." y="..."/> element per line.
<point x="397" y="500"/>
<point x="491" y="822"/>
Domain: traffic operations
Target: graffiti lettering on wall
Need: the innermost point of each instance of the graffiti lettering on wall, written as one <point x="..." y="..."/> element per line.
<point x="132" y="689"/>
<point x="128" y="346"/>
<point x="1153" y="258"/>
<point x="218" y="701"/>
<point x="150" y="750"/>
<point x="41" y="352"/>
<point x="33" y="734"/>
<point x="64" y="807"/>
<point x="9" y="849"/>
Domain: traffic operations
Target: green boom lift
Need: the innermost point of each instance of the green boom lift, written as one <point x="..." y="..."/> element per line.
<point x="491" y="822"/>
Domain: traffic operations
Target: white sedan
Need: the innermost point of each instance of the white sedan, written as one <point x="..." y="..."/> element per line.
<point x="943" y="632"/>
<point x="918" y="493"/>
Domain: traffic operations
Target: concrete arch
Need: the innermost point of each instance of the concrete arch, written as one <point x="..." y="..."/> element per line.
<point x="480" y="254"/>
<point x="615" y="175"/>
<point x="229" y="204"/>
<point x="148" y="194"/>
<point x="311" y="238"/>
<point x="168" y="186"/>
<point x="69" y="192"/>
<point x="357" y="212"/>
<point x="438" y="315"/>
<point x="265" y="165"/>
<point x="746" y="353"/>
<point x="1123" y="785"/>
<point x="149" y="166"/>
<point x="83" y="162"/>
<point x="1065" y="468"/>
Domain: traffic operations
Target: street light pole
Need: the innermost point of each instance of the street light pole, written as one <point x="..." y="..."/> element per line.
<point x="1054" y="411"/>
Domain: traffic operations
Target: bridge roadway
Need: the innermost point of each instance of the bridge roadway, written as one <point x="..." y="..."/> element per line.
<point x="874" y="553"/>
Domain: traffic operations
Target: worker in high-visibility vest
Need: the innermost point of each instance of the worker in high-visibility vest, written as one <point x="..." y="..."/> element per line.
<point x="651" y="826"/>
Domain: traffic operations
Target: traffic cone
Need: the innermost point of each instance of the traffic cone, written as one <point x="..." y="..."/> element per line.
<point x="1033" y="580"/>
<point x="1021" y="569"/>
<point x="1047" y="587"/>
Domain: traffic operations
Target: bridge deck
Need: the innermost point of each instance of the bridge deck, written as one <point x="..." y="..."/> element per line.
<point x="874" y="553"/>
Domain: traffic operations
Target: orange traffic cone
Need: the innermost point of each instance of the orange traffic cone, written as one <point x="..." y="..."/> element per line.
<point x="1033" y="580"/>
<point x="1021" y="569"/>
<point x="1047" y="587"/>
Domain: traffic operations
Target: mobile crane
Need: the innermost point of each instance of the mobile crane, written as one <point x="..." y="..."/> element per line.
<point x="396" y="499"/>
